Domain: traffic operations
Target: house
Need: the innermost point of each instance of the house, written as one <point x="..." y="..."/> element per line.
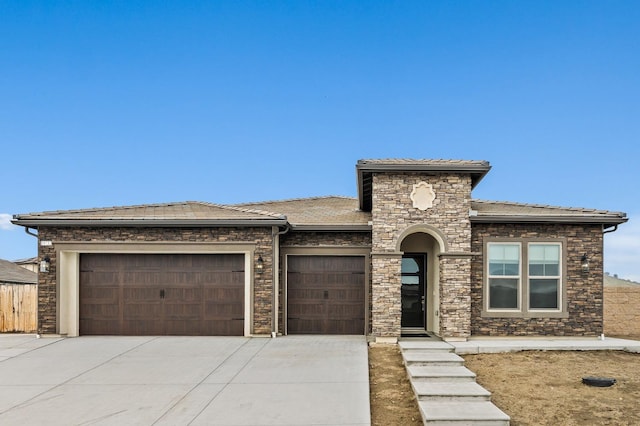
<point x="18" y="295"/>
<point x="412" y="254"/>
<point x="30" y="264"/>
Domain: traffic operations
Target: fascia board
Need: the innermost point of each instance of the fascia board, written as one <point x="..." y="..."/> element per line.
<point x="331" y="228"/>
<point x="163" y="223"/>
<point x="549" y="219"/>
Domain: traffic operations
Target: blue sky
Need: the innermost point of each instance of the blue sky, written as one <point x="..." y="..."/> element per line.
<point x="118" y="103"/>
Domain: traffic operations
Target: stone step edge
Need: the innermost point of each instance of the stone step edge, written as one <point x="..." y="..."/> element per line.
<point x="450" y="390"/>
<point x="481" y="411"/>
<point x="440" y="372"/>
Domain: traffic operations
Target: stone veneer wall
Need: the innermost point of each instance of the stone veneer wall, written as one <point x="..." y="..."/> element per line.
<point x="321" y="239"/>
<point x="392" y="213"/>
<point x="261" y="237"/>
<point x="584" y="292"/>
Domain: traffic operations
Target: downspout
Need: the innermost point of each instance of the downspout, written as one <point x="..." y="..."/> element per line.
<point x="26" y="229"/>
<point x="275" y="250"/>
<point x="615" y="228"/>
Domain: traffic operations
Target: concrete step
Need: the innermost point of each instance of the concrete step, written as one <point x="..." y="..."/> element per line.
<point x="435" y="345"/>
<point x="462" y="413"/>
<point x="440" y="373"/>
<point x="450" y="391"/>
<point x="431" y="358"/>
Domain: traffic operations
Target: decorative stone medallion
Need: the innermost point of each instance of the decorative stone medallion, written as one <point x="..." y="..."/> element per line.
<point x="422" y="196"/>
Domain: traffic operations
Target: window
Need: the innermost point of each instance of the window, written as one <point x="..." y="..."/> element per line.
<point x="524" y="278"/>
<point x="544" y="276"/>
<point x="504" y="276"/>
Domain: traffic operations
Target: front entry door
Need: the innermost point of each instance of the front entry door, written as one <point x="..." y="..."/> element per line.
<point x="413" y="290"/>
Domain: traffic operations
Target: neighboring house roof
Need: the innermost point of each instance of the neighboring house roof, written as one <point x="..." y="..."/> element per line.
<point x="365" y="169"/>
<point x="14" y="274"/>
<point x="502" y="211"/>
<point x="614" y="281"/>
<point x="189" y="213"/>
<point x="27" y="261"/>
<point x="332" y="213"/>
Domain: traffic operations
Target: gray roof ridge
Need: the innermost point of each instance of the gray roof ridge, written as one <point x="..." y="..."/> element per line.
<point x="166" y="204"/>
<point x="123" y="207"/>
<point x="285" y="200"/>
<point x="243" y="210"/>
<point x="548" y="206"/>
<point x="616" y="277"/>
<point x="415" y="159"/>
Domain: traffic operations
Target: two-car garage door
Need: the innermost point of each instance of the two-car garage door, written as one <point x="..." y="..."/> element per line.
<point x="162" y="294"/>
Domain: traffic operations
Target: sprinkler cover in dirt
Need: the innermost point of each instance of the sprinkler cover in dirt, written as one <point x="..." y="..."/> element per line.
<point x="601" y="382"/>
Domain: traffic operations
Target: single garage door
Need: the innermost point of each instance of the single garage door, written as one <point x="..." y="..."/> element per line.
<point x="325" y="294"/>
<point x="162" y="294"/>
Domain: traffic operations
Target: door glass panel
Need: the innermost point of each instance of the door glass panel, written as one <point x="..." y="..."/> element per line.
<point x="413" y="290"/>
<point x="410" y="265"/>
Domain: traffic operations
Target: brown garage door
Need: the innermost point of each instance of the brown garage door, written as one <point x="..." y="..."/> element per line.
<point x="162" y="294"/>
<point x="325" y="294"/>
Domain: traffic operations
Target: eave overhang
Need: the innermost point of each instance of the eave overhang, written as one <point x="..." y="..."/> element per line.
<point x="365" y="170"/>
<point x="150" y="223"/>
<point x="331" y="228"/>
<point x="609" y="221"/>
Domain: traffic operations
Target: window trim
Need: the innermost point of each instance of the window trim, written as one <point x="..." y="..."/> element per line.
<point x="524" y="311"/>
<point x="519" y="277"/>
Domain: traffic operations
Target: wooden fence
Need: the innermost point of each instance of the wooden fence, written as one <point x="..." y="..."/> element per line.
<point x="18" y="308"/>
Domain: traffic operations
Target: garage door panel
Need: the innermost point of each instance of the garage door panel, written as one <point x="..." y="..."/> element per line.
<point x="154" y="294"/>
<point x="223" y="328"/>
<point x="325" y="294"/>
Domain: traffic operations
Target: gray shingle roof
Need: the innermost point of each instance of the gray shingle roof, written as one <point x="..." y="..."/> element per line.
<point x="314" y="213"/>
<point x="433" y="163"/>
<point x="189" y="212"/>
<point x="504" y="211"/>
<point x="14" y="274"/>
<point x="614" y="281"/>
<point x="330" y="212"/>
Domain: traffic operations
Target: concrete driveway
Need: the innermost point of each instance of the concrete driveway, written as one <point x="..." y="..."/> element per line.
<point x="293" y="380"/>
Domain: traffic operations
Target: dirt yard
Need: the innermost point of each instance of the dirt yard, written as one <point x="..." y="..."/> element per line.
<point x="533" y="387"/>
<point x="392" y="399"/>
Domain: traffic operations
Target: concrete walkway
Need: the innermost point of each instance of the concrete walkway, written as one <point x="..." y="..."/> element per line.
<point x="503" y="344"/>
<point x="294" y="380"/>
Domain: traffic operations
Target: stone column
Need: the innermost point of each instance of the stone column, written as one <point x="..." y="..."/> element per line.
<point x="455" y="296"/>
<point x="386" y="308"/>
